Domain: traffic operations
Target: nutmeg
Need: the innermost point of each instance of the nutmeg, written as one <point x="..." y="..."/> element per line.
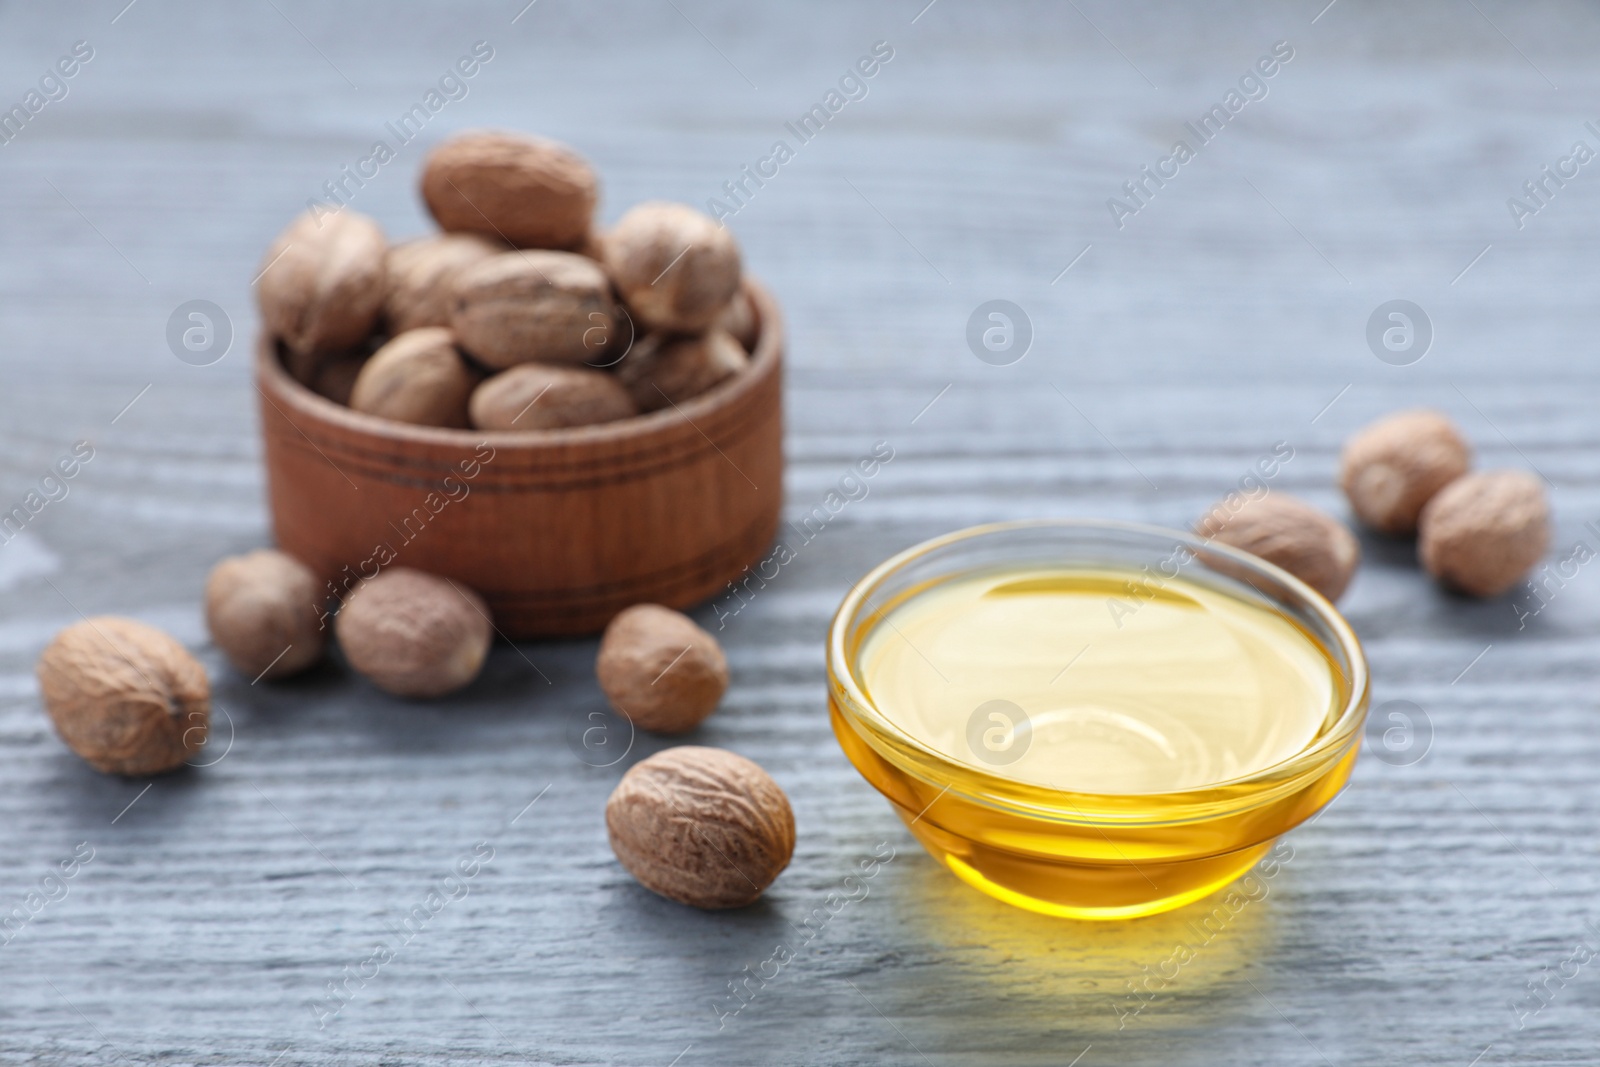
<point x="661" y="370"/>
<point x="1484" y="532"/>
<point x="530" y="191"/>
<point x="420" y="274"/>
<point x="593" y="246"/>
<point x="418" y="377"/>
<point x="1288" y="532"/>
<point x="125" y="696"/>
<point x="675" y="267"/>
<point x="661" y="670"/>
<point x="701" y="826"/>
<point x="518" y="307"/>
<point x="740" y="319"/>
<point x="262" y="609"/>
<point x="414" y="634"/>
<point x="538" y="396"/>
<point x="1391" y="468"/>
<point x="322" y="283"/>
<point x="336" y="379"/>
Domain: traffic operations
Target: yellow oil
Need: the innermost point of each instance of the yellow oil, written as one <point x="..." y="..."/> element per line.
<point x="1064" y="679"/>
<point x="1101" y="685"/>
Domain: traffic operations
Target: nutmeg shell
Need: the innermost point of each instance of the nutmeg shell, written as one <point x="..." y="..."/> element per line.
<point x="701" y="826"/>
<point x="263" y="611"/>
<point x="336" y="379"/>
<point x="420" y="274"/>
<point x="1482" y="533"/>
<point x="418" y="377"/>
<point x="1286" y="531"/>
<point x="539" y="396"/>
<point x="414" y="634"/>
<point x="1393" y="467"/>
<point x="661" y="370"/>
<point x="521" y="307"/>
<point x="741" y="319"/>
<point x="532" y="192"/>
<point x="674" y="266"/>
<point x="322" y="284"/>
<point x="661" y="670"/>
<point x="125" y="696"/>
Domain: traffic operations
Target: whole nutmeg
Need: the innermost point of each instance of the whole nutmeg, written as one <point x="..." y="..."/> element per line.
<point x="537" y="396"/>
<point x="420" y="274"/>
<point x="1391" y="468"/>
<point x="517" y="307"/>
<point x="529" y="191"/>
<point x="125" y="696"/>
<point x="414" y="634"/>
<point x="662" y="371"/>
<point x="1483" y="532"/>
<point x="675" y="267"/>
<point x="740" y="319"/>
<point x="262" y="609"/>
<point x="701" y="826"/>
<point x="322" y="283"/>
<point x="661" y="670"/>
<point x="418" y="377"/>
<point x="1288" y="532"/>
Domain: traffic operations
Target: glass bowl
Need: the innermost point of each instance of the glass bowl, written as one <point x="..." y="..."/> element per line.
<point x="1087" y="855"/>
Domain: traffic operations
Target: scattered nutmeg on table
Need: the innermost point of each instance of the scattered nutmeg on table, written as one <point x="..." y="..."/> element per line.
<point x="125" y="696"/>
<point x="419" y="377"/>
<point x="322" y="284"/>
<point x="674" y="266"/>
<point x="532" y="192"/>
<point x="1483" y="532"/>
<point x="414" y="634"/>
<point x="523" y="316"/>
<point x="661" y="670"/>
<point x="1478" y="533"/>
<point x="262" y="611"/>
<point x="1393" y="467"/>
<point x="701" y="826"/>
<point x="517" y="307"/>
<point x="1288" y="532"/>
<point x="537" y="396"/>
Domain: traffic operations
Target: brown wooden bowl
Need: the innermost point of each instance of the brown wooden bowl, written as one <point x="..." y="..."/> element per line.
<point x="558" y="529"/>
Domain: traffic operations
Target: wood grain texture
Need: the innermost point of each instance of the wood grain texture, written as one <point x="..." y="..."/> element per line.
<point x="1220" y="319"/>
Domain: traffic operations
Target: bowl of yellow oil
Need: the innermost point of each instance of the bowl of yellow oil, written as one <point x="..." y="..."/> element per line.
<point x="1092" y="719"/>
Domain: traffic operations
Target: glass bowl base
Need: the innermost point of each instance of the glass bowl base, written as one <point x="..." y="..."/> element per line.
<point x="1076" y="890"/>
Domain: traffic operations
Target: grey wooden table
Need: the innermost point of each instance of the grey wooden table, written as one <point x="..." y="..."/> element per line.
<point x="208" y="913"/>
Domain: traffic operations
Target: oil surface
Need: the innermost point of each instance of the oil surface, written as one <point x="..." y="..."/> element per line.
<point x="1066" y="679"/>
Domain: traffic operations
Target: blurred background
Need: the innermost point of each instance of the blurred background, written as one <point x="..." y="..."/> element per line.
<point x="1171" y="341"/>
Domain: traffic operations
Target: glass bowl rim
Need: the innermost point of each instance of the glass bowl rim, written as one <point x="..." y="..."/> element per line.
<point x="1207" y="801"/>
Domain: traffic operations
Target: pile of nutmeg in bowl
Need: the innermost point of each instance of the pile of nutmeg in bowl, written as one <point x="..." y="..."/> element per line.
<point x="520" y="315"/>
